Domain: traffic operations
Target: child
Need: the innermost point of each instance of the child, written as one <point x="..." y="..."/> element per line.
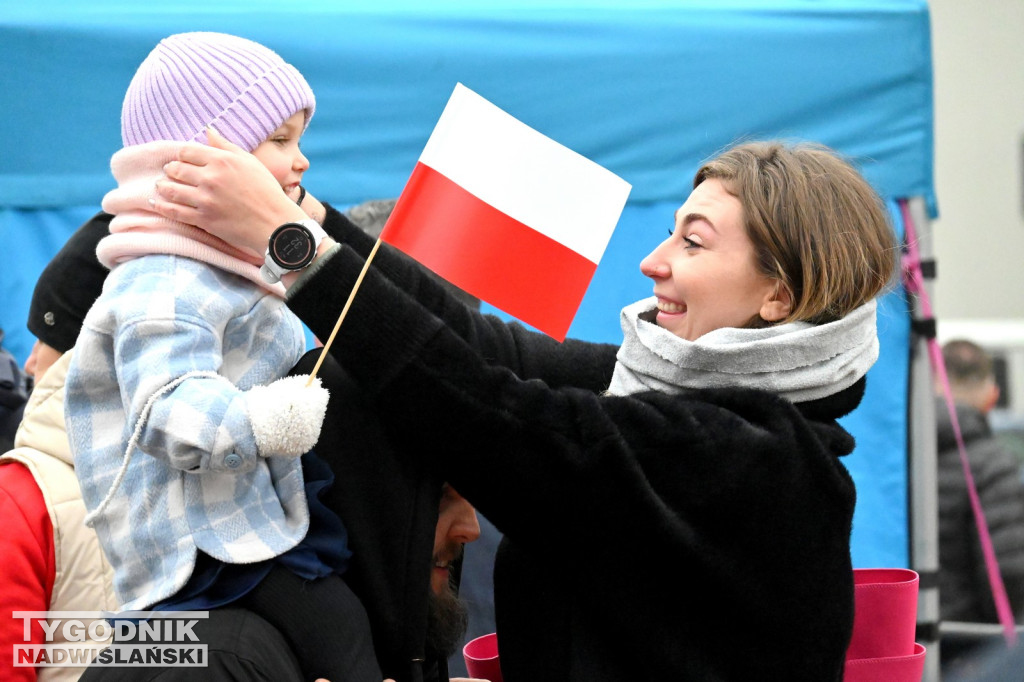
<point x="182" y="358"/>
<point x="674" y="508"/>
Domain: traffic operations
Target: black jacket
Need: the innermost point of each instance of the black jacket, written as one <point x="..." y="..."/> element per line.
<point x="389" y="507"/>
<point x="13" y="396"/>
<point x="964" y="591"/>
<point x="698" y="536"/>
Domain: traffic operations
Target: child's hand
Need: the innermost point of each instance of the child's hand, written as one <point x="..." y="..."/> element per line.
<point x="286" y="415"/>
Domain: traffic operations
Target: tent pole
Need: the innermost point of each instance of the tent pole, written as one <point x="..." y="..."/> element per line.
<point x="923" y="479"/>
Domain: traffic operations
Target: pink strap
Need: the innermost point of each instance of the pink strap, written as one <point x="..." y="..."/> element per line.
<point x="913" y="280"/>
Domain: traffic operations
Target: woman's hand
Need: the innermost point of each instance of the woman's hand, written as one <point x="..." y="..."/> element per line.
<point x="313" y="208"/>
<point x="226" y="191"/>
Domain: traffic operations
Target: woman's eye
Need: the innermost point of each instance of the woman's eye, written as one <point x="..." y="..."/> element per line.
<point x="691" y="244"/>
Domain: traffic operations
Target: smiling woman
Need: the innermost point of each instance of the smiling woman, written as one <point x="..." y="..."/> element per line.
<point x="741" y="215"/>
<point x="707" y="444"/>
<point x="704" y="273"/>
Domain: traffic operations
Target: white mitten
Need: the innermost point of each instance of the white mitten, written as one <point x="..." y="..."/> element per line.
<point x="286" y="415"/>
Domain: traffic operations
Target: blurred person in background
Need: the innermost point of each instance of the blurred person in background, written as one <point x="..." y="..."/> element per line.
<point x="964" y="591"/>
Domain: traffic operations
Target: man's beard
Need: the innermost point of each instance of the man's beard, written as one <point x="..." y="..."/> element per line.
<point x="447" y="619"/>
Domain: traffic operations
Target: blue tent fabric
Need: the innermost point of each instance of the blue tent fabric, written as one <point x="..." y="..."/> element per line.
<point x="646" y="88"/>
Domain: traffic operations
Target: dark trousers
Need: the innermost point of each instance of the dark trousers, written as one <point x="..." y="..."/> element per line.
<point x="285" y="629"/>
<point x="322" y="620"/>
<point x="241" y="647"/>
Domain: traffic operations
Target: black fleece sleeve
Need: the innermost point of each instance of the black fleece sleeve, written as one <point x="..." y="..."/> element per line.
<point x="518" y="447"/>
<point x="400" y="269"/>
<point x="530" y="355"/>
<point x="472" y="419"/>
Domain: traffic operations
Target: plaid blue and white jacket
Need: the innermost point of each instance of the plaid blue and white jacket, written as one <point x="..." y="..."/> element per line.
<point x="195" y="479"/>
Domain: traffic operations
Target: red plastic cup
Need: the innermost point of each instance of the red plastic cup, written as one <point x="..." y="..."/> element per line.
<point x="908" y="668"/>
<point x="481" y="656"/>
<point x="885" y="613"/>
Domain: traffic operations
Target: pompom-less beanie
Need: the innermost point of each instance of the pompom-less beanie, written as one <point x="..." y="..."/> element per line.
<point x="68" y="286"/>
<point x="192" y="80"/>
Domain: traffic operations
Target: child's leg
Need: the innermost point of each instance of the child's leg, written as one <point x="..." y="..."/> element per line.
<point x="323" y="621"/>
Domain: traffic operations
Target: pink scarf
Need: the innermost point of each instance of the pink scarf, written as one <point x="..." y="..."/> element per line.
<point x="138" y="231"/>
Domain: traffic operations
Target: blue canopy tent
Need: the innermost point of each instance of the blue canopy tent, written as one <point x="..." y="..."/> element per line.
<point x="646" y="88"/>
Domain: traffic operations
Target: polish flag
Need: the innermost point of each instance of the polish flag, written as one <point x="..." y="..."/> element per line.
<point x="507" y="214"/>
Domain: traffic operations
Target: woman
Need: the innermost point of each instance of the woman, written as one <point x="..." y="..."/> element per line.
<point x="674" y="508"/>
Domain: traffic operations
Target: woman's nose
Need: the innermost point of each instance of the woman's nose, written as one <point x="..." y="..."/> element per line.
<point x="654" y="266"/>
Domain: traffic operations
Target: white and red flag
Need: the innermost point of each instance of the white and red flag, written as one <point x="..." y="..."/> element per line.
<point x="507" y="214"/>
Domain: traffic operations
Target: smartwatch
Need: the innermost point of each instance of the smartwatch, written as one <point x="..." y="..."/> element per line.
<point x="291" y="247"/>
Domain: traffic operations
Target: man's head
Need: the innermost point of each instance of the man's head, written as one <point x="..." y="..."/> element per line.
<point x="971" y="378"/>
<point x="457" y="525"/>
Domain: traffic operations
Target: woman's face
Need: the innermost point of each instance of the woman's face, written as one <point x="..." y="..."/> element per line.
<point x="705" y="276"/>
<point x="281" y="155"/>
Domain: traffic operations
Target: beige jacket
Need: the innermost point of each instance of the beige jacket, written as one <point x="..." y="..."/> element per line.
<point x="84" y="578"/>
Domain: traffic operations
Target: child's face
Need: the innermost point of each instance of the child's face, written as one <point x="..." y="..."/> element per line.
<point x="704" y="274"/>
<point x="281" y="155"/>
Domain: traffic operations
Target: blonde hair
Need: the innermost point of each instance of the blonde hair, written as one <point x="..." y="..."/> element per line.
<point x="816" y="224"/>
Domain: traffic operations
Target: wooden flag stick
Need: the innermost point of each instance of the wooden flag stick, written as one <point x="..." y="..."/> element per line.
<point x="344" y="312"/>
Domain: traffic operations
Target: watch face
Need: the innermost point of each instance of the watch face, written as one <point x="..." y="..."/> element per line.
<point x="292" y="246"/>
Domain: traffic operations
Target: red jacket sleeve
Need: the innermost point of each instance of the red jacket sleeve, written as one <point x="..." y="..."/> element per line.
<point x="27" y="571"/>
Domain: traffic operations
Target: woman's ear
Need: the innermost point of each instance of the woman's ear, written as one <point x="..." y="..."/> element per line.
<point x="779" y="305"/>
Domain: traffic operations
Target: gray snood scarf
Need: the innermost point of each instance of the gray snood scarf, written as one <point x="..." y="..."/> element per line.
<point x="798" y="360"/>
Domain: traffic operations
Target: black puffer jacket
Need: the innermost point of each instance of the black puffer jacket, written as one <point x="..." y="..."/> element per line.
<point x="964" y="591"/>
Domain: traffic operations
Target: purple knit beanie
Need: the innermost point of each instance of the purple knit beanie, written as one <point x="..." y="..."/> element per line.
<point x="192" y="80"/>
